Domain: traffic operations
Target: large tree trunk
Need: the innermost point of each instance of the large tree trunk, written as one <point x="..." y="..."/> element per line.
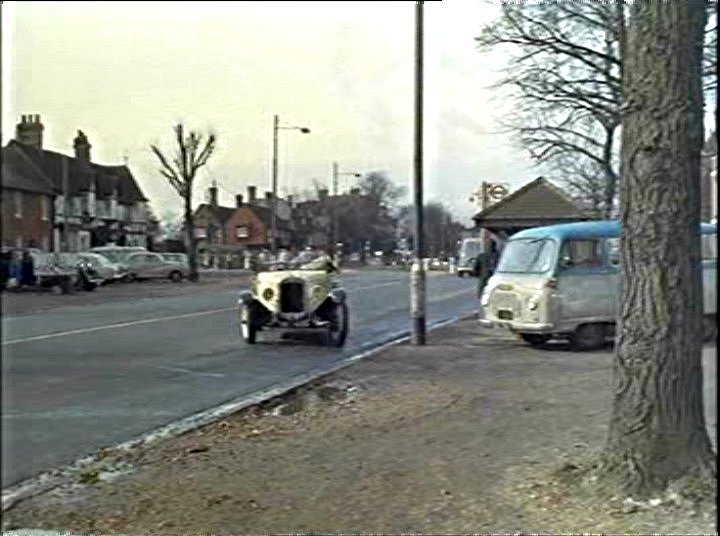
<point x="190" y="242"/>
<point x="657" y="431"/>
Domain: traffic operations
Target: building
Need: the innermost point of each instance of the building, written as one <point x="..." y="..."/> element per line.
<point x="90" y="204"/>
<point x="537" y="203"/>
<point x="245" y="227"/>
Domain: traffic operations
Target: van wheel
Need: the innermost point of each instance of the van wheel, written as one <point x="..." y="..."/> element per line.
<point x="709" y="328"/>
<point x="175" y="276"/>
<point x="588" y="336"/>
<point x="535" y="339"/>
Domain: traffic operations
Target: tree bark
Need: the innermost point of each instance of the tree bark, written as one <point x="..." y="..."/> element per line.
<point x="190" y="242"/>
<point x="657" y="431"/>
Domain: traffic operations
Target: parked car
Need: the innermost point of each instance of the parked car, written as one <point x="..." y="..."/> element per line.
<point x="117" y="254"/>
<point x="469" y="250"/>
<point x="176" y="257"/>
<point x="107" y="270"/>
<point x="292" y="296"/>
<point x="149" y="265"/>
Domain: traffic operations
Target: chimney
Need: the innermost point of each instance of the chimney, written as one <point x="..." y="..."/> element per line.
<point x="323" y="193"/>
<point x="238" y="200"/>
<point x="213" y="195"/>
<point x="30" y="131"/>
<point x="252" y="192"/>
<point x="82" y="147"/>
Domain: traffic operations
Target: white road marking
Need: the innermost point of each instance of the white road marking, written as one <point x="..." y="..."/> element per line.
<point x="114" y="326"/>
<point x="188" y="371"/>
<point x="166" y="318"/>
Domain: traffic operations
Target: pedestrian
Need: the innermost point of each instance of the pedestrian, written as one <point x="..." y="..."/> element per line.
<point x="485" y="264"/>
<point x="27" y="270"/>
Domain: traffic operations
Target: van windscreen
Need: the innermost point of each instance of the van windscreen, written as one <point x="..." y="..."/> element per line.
<point x="527" y="256"/>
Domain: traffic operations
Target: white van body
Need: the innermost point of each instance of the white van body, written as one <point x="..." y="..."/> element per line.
<point x="563" y="281"/>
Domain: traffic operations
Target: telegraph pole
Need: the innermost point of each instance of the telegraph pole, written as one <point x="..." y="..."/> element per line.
<point x="417" y="273"/>
<point x="66" y="206"/>
<point x="273" y="201"/>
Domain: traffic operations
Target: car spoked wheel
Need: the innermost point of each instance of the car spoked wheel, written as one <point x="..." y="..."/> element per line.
<point x="248" y="323"/>
<point x="338" y="329"/>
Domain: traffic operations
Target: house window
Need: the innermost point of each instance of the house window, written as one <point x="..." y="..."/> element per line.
<point x="200" y="232"/>
<point x="44" y="208"/>
<point x="242" y="231"/>
<point x="18" y="204"/>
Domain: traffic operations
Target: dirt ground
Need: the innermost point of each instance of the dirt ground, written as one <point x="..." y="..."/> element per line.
<point x="470" y="433"/>
<point x="30" y="301"/>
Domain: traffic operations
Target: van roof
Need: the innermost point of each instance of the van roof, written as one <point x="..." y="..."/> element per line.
<point x="587" y="229"/>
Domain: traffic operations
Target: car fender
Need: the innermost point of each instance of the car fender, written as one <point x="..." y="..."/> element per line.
<point x="337" y="295"/>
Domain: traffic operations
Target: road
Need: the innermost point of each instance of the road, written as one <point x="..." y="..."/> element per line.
<point x="80" y="378"/>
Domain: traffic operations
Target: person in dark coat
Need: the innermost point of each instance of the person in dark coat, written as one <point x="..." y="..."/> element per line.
<point x="485" y="264"/>
<point x="27" y="270"/>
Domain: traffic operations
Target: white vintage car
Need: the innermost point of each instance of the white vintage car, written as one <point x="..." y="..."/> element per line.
<point x="295" y="296"/>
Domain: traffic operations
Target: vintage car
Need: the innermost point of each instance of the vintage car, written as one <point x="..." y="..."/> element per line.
<point x="295" y="295"/>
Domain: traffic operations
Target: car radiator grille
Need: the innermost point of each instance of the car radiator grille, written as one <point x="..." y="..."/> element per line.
<point x="291" y="297"/>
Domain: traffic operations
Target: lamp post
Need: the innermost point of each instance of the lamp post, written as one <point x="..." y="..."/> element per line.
<point x="335" y="231"/>
<point x="273" y="219"/>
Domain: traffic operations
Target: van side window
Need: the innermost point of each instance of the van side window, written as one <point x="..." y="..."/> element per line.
<point x="708" y="244"/>
<point x="581" y="254"/>
<point x="613" y="251"/>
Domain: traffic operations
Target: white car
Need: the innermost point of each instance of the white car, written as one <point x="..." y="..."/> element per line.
<point x="109" y="271"/>
<point x="149" y="265"/>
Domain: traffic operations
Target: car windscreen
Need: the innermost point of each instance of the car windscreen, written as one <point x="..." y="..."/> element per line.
<point x="527" y="256"/>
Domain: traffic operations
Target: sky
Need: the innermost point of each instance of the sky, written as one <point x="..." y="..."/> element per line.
<point x="125" y="72"/>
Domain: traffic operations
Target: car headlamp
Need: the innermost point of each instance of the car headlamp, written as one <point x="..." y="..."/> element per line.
<point x="317" y="292"/>
<point x="532" y="305"/>
<point x="268" y="294"/>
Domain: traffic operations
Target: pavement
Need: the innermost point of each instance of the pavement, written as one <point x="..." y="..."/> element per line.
<point x="457" y="436"/>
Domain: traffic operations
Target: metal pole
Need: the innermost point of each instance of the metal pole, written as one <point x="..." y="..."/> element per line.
<point x="335" y="178"/>
<point x="417" y="274"/>
<point x="273" y="201"/>
<point x="334" y="234"/>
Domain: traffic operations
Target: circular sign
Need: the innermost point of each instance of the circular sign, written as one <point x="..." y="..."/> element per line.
<point x="497" y="191"/>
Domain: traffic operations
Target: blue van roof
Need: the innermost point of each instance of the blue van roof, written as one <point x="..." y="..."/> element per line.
<point x="587" y="229"/>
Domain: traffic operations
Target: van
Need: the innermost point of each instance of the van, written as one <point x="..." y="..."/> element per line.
<point x="563" y="281"/>
<point x="470" y="248"/>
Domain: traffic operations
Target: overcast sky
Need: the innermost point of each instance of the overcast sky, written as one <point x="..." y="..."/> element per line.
<point x="125" y="72"/>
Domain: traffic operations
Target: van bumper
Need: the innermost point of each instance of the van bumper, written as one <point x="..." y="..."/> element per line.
<point x="517" y="326"/>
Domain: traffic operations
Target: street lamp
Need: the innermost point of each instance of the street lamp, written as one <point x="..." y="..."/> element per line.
<point x="335" y="174"/>
<point x="276" y="127"/>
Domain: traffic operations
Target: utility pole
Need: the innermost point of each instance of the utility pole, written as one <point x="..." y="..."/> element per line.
<point x="273" y="201"/>
<point x="417" y="273"/>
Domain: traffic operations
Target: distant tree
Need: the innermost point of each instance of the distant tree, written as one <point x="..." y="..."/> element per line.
<point x="442" y="232"/>
<point x="657" y="432"/>
<point x="380" y="189"/>
<point x="192" y="152"/>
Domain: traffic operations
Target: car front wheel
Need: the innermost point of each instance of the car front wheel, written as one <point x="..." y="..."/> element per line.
<point x="338" y="329"/>
<point x="248" y="323"/>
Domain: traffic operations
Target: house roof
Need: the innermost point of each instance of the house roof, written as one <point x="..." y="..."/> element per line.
<point x="223" y="214"/>
<point x="26" y="160"/>
<point x="19" y="174"/>
<point x="539" y="199"/>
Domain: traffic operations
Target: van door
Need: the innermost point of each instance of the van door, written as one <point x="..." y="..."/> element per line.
<point x="587" y="284"/>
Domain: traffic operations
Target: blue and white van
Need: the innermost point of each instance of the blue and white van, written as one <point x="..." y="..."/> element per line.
<point x="563" y="281"/>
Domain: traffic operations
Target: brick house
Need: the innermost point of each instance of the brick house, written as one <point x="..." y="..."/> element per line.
<point x="246" y="226"/>
<point x="104" y="203"/>
<point x="27" y="203"/>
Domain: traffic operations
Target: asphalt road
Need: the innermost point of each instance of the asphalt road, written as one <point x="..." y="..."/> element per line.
<point x="79" y="378"/>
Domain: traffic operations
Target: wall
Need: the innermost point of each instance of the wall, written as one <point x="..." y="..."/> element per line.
<point x="30" y="230"/>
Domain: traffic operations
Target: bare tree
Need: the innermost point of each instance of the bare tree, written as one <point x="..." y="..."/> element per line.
<point x="565" y="79"/>
<point x="657" y="431"/>
<point x="192" y="152"/>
